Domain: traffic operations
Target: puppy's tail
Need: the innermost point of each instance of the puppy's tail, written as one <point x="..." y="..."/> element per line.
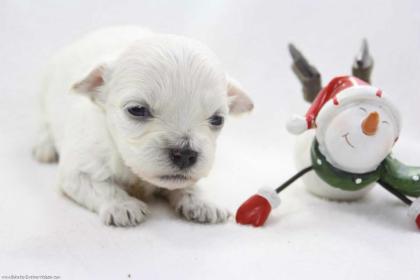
<point x="308" y="75"/>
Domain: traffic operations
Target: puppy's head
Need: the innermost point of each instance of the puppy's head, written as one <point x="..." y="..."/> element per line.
<point x="165" y="100"/>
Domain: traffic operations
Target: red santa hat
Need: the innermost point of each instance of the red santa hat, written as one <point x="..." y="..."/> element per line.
<point x="339" y="92"/>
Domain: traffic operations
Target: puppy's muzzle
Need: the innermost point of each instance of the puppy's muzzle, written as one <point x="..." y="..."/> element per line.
<point x="183" y="158"/>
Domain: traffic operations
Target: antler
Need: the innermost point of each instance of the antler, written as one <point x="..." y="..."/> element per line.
<point x="307" y="74"/>
<point x="363" y="63"/>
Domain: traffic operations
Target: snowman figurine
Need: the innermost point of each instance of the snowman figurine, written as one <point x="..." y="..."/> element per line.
<point x="345" y="143"/>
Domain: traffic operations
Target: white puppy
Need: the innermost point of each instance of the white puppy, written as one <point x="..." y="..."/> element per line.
<point x="148" y="111"/>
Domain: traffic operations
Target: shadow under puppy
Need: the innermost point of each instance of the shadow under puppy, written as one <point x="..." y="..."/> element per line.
<point x="148" y="113"/>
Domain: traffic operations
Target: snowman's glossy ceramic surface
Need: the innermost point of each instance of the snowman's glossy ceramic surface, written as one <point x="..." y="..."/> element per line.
<point x="350" y="145"/>
<point x="313" y="183"/>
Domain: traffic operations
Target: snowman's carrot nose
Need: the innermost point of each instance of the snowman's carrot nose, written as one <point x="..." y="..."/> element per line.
<point x="370" y="124"/>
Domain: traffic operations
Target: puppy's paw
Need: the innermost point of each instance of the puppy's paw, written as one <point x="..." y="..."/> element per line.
<point x="124" y="213"/>
<point x="45" y="152"/>
<point x="196" y="210"/>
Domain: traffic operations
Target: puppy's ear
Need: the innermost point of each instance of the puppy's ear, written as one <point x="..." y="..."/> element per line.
<point x="92" y="85"/>
<point x="239" y="102"/>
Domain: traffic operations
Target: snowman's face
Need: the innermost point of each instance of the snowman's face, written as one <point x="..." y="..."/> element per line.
<point x="359" y="138"/>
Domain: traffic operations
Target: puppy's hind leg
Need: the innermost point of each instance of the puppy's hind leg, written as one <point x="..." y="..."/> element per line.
<point x="44" y="150"/>
<point x="114" y="206"/>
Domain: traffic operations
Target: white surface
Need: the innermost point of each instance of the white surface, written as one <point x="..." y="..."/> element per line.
<point x="306" y="237"/>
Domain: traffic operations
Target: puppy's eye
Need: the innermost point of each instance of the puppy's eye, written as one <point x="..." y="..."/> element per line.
<point x="216" y="120"/>
<point x="139" y="112"/>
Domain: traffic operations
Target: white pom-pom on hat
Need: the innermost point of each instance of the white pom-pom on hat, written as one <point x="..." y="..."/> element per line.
<point x="297" y="125"/>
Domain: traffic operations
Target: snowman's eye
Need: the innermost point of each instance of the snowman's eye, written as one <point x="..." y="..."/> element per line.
<point x="363" y="109"/>
<point x="385" y="122"/>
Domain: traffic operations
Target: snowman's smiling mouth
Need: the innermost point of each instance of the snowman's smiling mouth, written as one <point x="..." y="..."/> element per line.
<point x="346" y="137"/>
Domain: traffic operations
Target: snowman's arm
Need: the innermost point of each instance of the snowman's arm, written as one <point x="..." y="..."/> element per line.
<point x="294" y="178"/>
<point x="256" y="209"/>
<point x="307" y="74"/>
<point x="402" y="197"/>
<point x="401" y="177"/>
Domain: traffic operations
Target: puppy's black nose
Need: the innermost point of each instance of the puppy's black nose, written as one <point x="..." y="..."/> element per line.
<point x="183" y="158"/>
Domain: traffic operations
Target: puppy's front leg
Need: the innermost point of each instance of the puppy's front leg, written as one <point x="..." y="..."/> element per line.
<point x="189" y="205"/>
<point x="105" y="197"/>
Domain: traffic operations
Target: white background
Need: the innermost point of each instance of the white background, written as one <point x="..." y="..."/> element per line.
<point x="42" y="232"/>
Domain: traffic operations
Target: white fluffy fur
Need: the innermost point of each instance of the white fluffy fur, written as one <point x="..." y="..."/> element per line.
<point x="103" y="151"/>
